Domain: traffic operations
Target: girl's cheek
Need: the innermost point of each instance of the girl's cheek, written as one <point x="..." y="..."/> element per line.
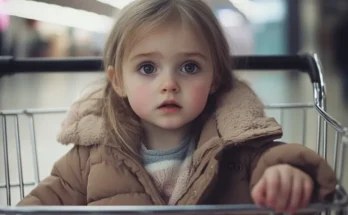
<point x="140" y="98"/>
<point x="199" y="96"/>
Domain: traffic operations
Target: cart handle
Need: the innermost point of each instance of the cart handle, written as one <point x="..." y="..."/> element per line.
<point x="10" y="65"/>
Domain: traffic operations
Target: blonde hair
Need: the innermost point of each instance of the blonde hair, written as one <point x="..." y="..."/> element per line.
<point x="142" y="16"/>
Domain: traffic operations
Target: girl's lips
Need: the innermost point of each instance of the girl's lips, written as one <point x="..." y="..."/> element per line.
<point x="170" y="109"/>
<point x="169" y="104"/>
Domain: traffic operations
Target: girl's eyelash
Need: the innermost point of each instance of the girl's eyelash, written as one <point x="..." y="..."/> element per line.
<point x="193" y="62"/>
<point x="143" y="64"/>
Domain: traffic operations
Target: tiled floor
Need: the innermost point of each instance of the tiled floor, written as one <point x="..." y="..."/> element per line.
<point x="60" y="89"/>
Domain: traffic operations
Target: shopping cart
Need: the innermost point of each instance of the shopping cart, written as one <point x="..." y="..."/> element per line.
<point x="305" y="63"/>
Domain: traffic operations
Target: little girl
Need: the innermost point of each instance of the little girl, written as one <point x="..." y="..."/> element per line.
<point x="172" y="126"/>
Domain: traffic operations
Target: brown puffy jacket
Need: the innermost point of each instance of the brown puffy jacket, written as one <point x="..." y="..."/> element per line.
<point x="235" y="147"/>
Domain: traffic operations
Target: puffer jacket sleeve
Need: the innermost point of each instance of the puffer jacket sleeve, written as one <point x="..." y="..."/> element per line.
<point x="67" y="183"/>
<point x="301" y="157"/>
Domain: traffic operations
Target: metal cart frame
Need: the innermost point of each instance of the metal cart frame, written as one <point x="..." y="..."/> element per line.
<point x="305" y="63"/>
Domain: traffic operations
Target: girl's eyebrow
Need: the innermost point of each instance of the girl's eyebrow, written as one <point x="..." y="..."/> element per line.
<point x="194" y="54"/>
<point x="148" y="54"/>
<point x="158" y="54"/>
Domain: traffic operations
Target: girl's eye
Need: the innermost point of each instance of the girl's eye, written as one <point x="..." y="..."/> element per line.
<point x="189" y="68"/>
<point x="147" y="69"/>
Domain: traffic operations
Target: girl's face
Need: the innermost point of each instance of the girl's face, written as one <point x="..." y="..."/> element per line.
<point x="167" y="76"/>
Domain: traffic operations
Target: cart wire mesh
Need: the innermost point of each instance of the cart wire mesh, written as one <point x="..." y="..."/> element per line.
<point x="307" y="63"/>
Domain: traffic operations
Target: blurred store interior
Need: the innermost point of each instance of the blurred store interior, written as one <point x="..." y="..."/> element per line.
<point x="75" y="28"/>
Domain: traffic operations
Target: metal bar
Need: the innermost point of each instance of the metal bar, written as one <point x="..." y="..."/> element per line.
<point x="337" y="126"/>
<point x="17" y="184"/>
<point x="10" y="64"/>
<point x="324" y="132"/>
<point x="19" y="158"/>
<point x="334" y="123"/>
<point x="63" y="110"/>
<point x="341" y="161"/>
<point x="325" y="129"/>
<point x="34" y="148"/>
<point x="6" y="161"/>
<point x="34" y="111"/>
<point x="304" y="135"/>
<point x="337" y="139"/>
<point x="319" y="135"/>
<point x="319" y="94"/>
<point x="187" y="209"/>
<point x="290" y="106"/>
<point x="320" y="102"/>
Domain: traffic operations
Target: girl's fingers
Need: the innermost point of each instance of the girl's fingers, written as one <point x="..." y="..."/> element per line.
<point x="259" y="192"/>
<point x="307" y="192"/>
<point x="283" y="188"/>
<point x="296" y="195"/>
<point x="272" y="187"/>
<point x="284" y="195"/>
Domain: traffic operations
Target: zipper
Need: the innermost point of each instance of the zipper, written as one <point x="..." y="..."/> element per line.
<point x="209" y="186"/>
<point x="145" y="174"/>
<point x="194" y="176"/>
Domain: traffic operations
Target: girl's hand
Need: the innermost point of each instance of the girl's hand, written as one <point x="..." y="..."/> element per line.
<point x="283" y="188"/>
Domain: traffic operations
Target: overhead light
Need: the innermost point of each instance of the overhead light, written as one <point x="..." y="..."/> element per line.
<point x="56" y="14"/>
<point x="117" y="3"/>
<point x="230" y="18"/>
<point x="255" y="10"/>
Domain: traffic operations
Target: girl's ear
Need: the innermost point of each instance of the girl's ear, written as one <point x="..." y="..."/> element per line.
<point x="116" y="84"/>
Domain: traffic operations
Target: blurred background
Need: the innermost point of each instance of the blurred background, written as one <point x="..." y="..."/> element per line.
<point x="78" y="28"/>
<point x="75" y="28"/>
